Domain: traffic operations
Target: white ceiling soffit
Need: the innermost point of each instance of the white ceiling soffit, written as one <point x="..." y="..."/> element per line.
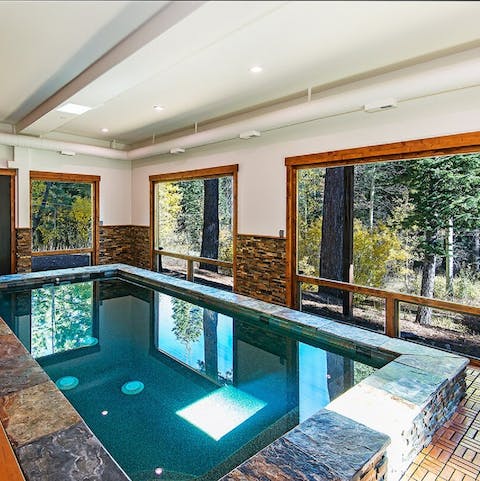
<point x="199" y="68"/>
<point x="44" y="45"/>
<point x="457" y="72"/>
<point x="162" y="21"/>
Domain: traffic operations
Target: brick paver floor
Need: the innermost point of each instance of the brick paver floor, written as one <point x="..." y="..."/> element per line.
<point x="454" y="454"/>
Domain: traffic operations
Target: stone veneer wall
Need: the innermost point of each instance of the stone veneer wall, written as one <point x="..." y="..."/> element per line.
<point x="126" y="244"/>
<point x="261" y="267"/>
<point x="115" y="244"/>
<point x="140" y="246"/>
<point x="24" y="250"/>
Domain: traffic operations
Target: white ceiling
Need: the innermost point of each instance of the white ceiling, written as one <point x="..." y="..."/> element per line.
<point x="198" y="67"/>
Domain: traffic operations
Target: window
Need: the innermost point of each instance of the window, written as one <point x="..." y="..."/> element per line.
<point x="391" y="244"/>
<point x="194" y="224"/>
<point x="64" y="220"/>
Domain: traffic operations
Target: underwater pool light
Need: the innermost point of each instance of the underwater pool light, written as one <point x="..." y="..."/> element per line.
<point x="221" y="411"/>
<point x="66" y="383"/>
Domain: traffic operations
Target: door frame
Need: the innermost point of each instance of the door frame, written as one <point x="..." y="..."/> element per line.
<point x="13" y="240"/>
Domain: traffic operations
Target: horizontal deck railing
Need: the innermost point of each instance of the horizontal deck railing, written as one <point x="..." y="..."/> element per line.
<point x="86" y="250"/>
<point x="392" y="300"/>
<point x="191" y="259"/>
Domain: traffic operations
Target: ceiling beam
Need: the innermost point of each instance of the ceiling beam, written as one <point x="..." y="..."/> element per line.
<point x="159" y="23"/>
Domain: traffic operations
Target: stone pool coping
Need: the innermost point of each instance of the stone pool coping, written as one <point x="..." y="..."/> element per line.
<point x="405" y="401"/>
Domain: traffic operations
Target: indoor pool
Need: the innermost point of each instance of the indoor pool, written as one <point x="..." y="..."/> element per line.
<point x="174" y="389"/>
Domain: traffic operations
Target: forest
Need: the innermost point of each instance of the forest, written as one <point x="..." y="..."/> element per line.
<point x="194" y="217"/>
<point x="415" y="228"/>
<point x="61" y="215"/>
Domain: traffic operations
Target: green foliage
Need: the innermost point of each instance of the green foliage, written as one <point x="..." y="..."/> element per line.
<point x="61" y="215"/>
<point x="62" y="316"/>
<point x="442" y="189"/>
<point x="179" y="216"/>
<point x="188" y="322"/>
<point x="377" y="253"/>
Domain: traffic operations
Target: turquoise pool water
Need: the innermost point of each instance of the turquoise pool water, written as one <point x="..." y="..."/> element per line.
<point x="215" y="388"/>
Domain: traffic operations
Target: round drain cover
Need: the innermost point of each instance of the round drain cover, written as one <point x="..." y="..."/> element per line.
<point x="132" y="387"/>
<point x="67" y="382"/>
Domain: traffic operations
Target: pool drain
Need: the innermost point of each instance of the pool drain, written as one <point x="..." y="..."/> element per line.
<point x="132" y="387"/>
<point x="67" y="382"/>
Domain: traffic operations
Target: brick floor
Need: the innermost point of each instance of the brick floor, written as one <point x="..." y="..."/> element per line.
<point x="454" y="454"/>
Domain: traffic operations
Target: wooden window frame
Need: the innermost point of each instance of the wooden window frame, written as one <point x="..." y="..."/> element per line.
<point x="77" y="179"/>
<point x="199" y="174"/>
<point x="13" y="238"/>
<point x="430" y="147"/>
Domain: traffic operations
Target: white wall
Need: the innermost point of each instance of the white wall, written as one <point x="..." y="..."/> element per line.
<point x="262" y="173"/>
<point x="124" y="193"/>
<point x="115" y="182"/>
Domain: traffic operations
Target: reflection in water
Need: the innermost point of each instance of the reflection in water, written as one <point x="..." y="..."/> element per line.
<point x="198" y="337"/>
<point x="62" y="318"/>
<point x="237" y="387"/>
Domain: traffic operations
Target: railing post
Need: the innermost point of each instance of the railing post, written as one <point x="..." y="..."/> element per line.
<point x="190" y="270"/>
<point x="298" y="296"/>
<point x="392" y="317"/>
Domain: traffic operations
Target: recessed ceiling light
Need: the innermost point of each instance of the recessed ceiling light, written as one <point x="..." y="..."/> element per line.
<point x="104" y="130"/>
<point x="74" y="109"/>
<point x="256" y="69"/>
<point x="158" y="107"/>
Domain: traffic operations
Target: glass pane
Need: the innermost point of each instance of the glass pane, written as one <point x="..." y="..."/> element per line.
<point x="60" y="261"/>
<point x="367" y="311"/>
<point x="183" y="224"/>
<point x="62" y="215"/>
<point x="446" y="330"/>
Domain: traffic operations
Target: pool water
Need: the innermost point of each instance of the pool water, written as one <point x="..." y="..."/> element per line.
<point x="174" y="389"/>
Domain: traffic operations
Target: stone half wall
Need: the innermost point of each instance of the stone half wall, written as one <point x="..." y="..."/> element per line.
<point x="115" y="244"/>
<point x="140" y="246"/>
<point x="124" y="244"/>
<point x="261" y="263"/>
<point x="24" y="250"/>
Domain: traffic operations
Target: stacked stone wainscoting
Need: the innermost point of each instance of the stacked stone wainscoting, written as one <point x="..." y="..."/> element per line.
<point x="261" y="267"/>
<point x="439" y="409"/>
<point x="24" y="249"/>
<point x="140" y="252"/>
<point x="115" y="244"/>
<point x="127" y="244"/>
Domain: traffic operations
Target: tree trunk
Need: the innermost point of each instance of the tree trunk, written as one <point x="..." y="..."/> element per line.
<point x="449" y="260"/>
<point x="424" y="314"/>
<point x="336" y="253"/>
<point x="340" y="374"/>
<point x="331" y="249"/>
<point x="36" y="234"/>
<point x="371" y="201"/>
<point x="210" y="321"/>
<point x="476" y="250"/>
<point x="211" y="227"/>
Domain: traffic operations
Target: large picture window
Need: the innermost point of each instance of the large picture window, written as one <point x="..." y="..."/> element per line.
<point x="391" y="245"/>
<point x="64" y="220"/>
<point x="194" y="224"/>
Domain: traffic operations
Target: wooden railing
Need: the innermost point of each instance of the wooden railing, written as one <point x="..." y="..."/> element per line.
<point x="392" y="300"/>
<point x="86" y="250"/>
<point x="191" y="259"/>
